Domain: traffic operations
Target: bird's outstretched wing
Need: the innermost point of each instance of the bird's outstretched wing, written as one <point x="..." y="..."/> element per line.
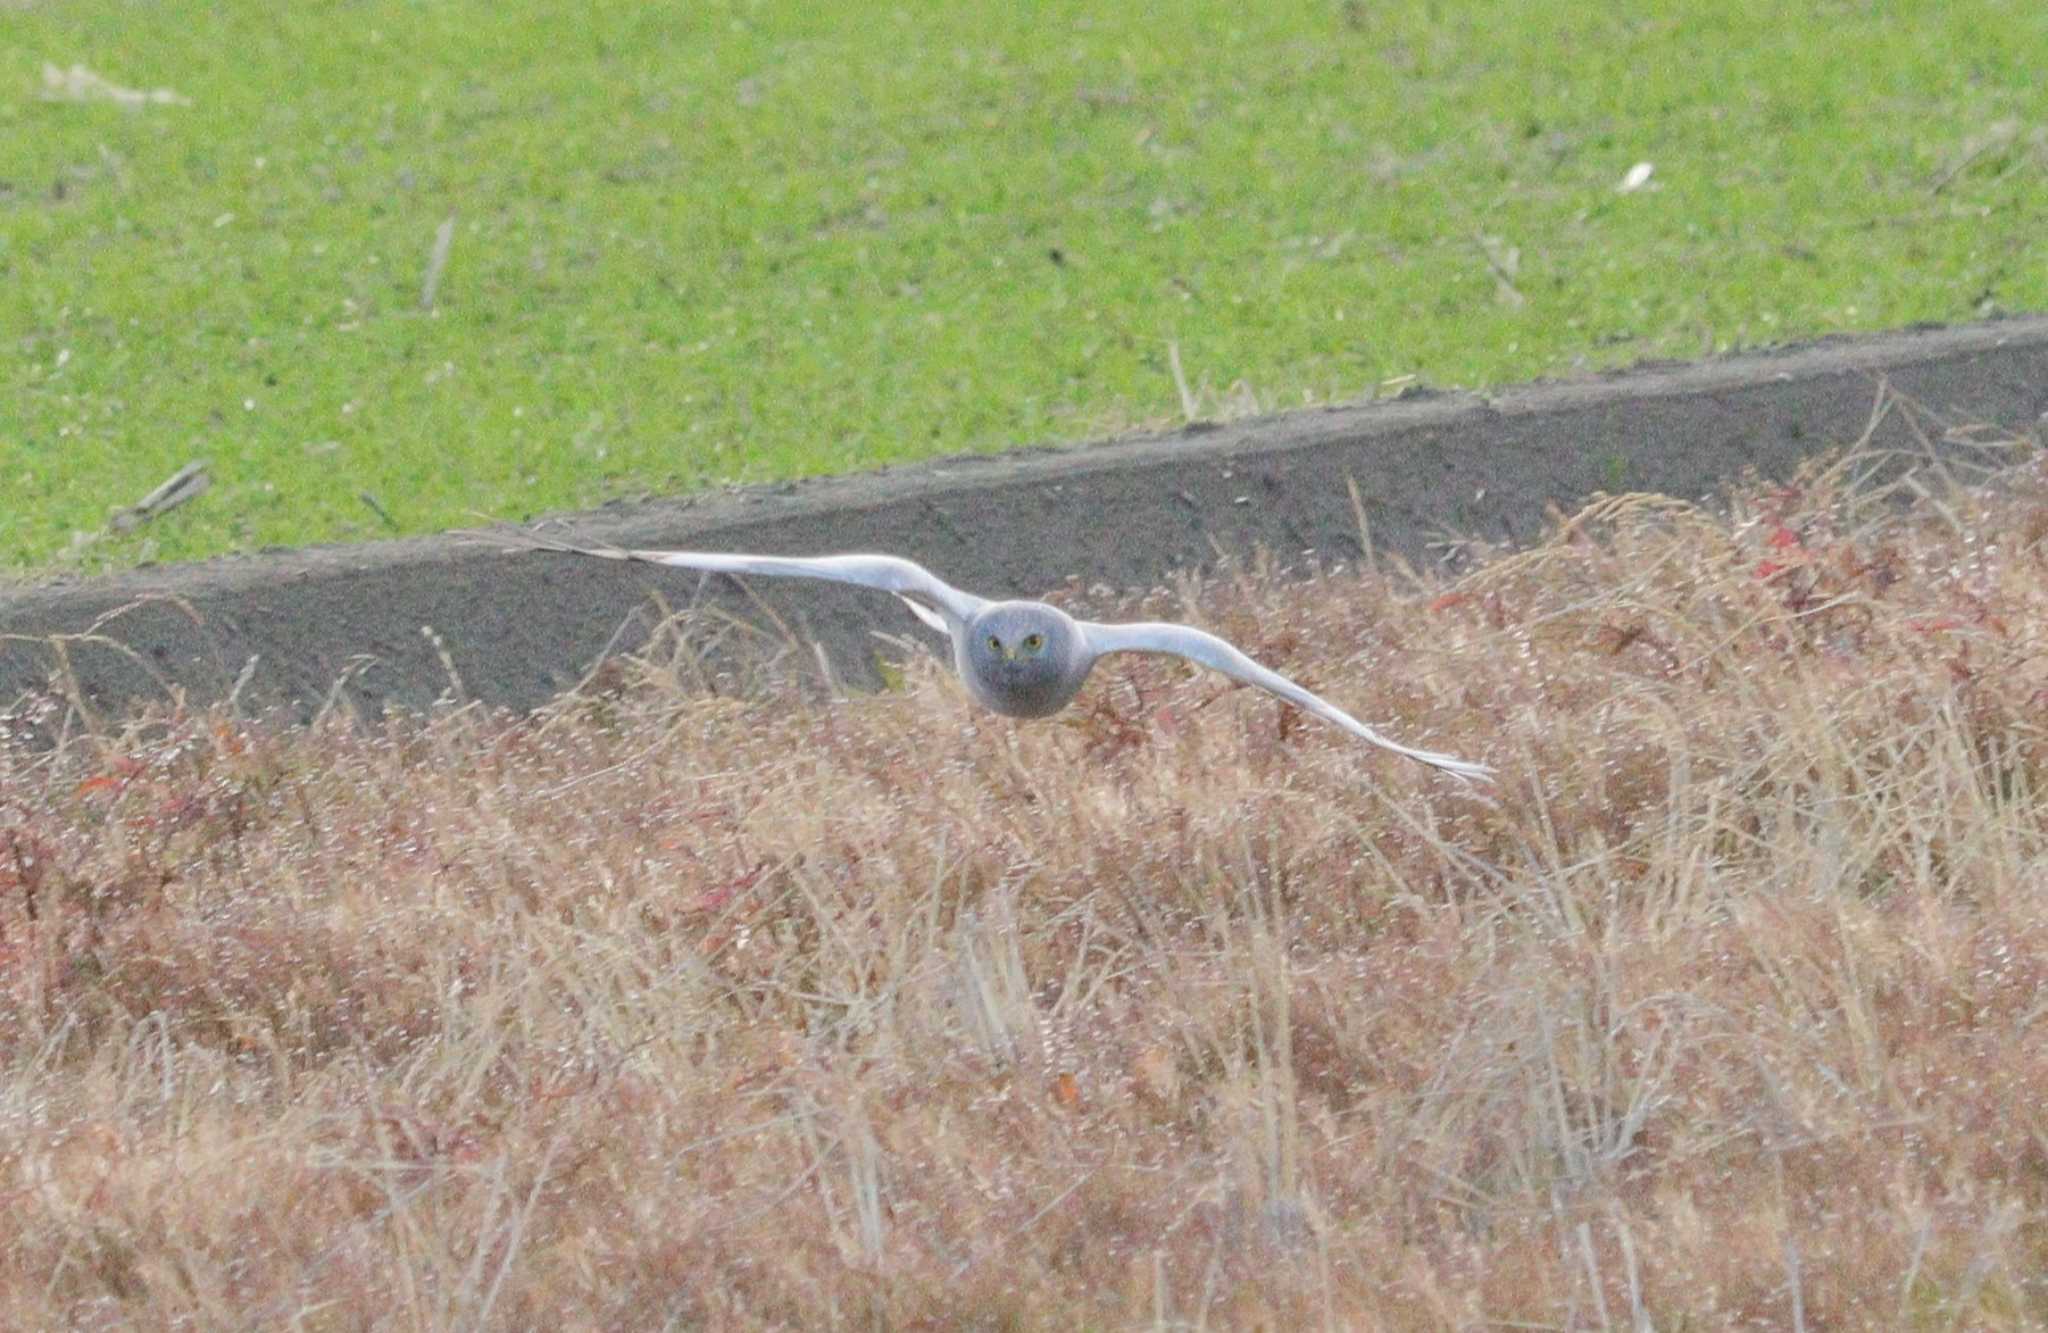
<point x="906" y="578"/>
<point x="1218" y="655"/>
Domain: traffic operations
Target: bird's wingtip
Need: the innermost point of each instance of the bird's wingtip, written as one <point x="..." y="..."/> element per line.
<point x="1465" y="770"/>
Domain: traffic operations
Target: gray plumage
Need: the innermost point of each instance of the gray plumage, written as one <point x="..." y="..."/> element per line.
<point x="1021" y="659"/>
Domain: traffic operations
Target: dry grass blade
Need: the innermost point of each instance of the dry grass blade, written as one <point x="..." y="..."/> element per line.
<point x="666" y="1008"/>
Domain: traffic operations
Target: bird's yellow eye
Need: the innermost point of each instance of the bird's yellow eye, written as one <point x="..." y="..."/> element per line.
<point x="995" y="643"/>
<point x="1033" y="642"/>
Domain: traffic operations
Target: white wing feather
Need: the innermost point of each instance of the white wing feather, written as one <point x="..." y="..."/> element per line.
<point x="926" y="614"/>
<point x="906" y="578"/>
<point x="1218" y="655"/>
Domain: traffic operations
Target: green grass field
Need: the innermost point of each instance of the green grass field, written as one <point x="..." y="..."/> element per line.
<point x="744" y="242"/>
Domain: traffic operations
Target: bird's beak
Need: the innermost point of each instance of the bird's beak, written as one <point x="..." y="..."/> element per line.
<point x="1009" y="653"/>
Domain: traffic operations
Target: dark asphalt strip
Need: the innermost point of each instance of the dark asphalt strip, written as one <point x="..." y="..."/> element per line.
<point x="351" y="623"/>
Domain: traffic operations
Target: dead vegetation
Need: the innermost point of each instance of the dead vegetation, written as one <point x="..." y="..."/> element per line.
<point x="661" y="1010"/>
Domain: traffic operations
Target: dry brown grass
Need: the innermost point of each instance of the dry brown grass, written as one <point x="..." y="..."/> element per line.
<point x="670" y="1011"/>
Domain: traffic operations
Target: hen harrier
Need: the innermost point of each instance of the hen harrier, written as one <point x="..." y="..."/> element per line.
<point x="1022" y="659"/>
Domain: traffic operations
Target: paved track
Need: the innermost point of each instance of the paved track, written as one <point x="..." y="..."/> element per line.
<point x="518" y="629"/>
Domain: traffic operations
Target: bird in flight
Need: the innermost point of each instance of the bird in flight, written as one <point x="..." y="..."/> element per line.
<point x="1020" y="658"/>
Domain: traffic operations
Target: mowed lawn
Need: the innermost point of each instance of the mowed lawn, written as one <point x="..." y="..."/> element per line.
<point x="696" y="244"/>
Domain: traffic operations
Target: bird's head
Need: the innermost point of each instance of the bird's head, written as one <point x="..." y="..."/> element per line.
<point x="1025" y="659"/>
